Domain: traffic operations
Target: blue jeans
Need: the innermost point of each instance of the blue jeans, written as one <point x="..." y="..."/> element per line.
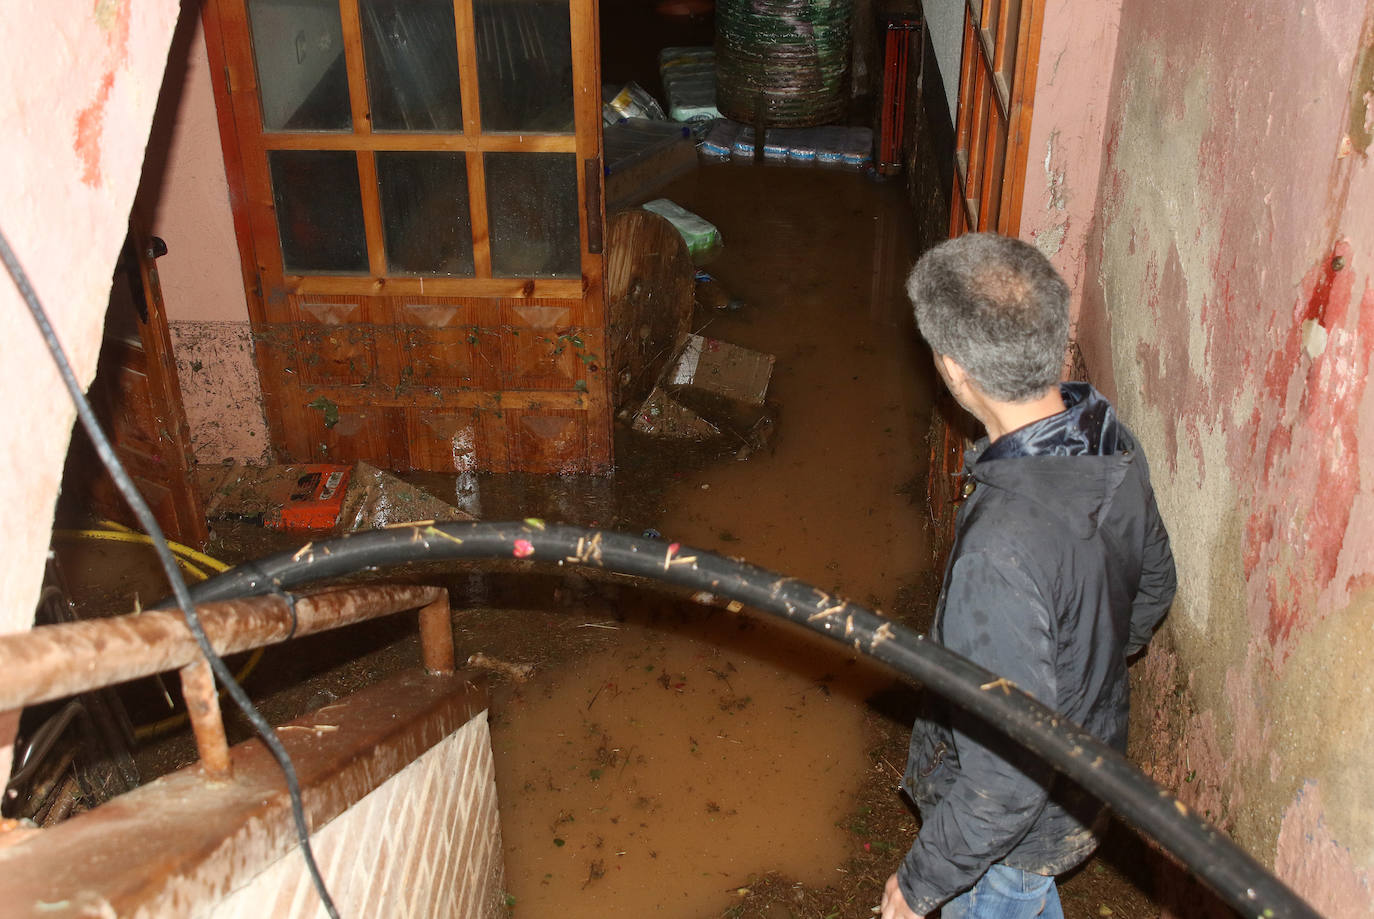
<point x="1007" y="893"/>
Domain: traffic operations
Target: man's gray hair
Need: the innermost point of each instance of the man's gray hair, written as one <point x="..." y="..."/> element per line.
<point x="997" y="307"/>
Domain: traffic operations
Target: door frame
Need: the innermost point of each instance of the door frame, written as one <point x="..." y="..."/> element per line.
<point x="993" y="119"/>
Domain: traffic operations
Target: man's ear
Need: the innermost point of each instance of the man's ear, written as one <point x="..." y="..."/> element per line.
<point x="955" y="375"/>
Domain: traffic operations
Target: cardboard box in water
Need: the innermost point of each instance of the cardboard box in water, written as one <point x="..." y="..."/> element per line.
<point x="721" y="370"/>
<point x="662" y="416"/>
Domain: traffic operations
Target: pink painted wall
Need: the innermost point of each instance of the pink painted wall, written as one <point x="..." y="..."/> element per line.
<point x="1228" y="301"/>
<point x="81" y="80"/>
<point x="200" y="273"/>
<point x="185" y="192"/>
<point x="1068" y="131"/>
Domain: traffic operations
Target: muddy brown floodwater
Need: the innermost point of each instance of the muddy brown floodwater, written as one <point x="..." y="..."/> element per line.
<point x="820" y="259"/>
<point x="666" y="773"/>
<point x="660" y="776"/>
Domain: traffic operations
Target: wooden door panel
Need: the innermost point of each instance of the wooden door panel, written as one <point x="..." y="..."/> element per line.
<point x="131" y="420"/>
<point x="446" y="344"/>
<point x="551" y="442"/>
<point x="375" y="249"/>
<point x="1001" y="54"/>
<point x="137" y="398"/>
<point x="342" y="341"/>
<point x="544" y="352"/>
<point x="335" y="432"/>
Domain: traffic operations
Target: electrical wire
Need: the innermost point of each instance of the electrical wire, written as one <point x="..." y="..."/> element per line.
<point x="1230" y="871"/>
<point x="105" y="450"/>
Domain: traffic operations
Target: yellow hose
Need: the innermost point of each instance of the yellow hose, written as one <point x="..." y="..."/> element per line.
<point x="184" y="555"/>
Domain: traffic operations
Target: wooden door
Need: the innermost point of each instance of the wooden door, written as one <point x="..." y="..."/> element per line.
<point x="417" y="193"/>
<point x="992" y="135"/>
<point x="137" y="397"/>
<point x="996" y="96"/>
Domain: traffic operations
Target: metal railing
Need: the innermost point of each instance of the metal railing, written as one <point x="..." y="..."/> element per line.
<point x="54" y="661"/>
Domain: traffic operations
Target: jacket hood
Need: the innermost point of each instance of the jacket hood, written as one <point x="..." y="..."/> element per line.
<point x="1070" y="464"/>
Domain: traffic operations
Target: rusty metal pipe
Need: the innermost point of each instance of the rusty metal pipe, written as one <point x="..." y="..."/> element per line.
<point x="55" y="661"/>
<point x="436" y="636"/>
<point x="207" y="724"/>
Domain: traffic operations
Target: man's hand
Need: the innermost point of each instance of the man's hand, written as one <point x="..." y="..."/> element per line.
<point x="894" y="904"/>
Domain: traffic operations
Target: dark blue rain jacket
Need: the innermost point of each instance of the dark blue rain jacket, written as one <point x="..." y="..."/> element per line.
<point x="1060" y="570"/>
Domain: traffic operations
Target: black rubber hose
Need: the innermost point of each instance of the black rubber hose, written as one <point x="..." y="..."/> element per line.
<point x="1220" y="863"/>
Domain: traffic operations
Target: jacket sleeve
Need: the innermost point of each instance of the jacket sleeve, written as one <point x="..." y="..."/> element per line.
<point x="995" y="616"/>
<point x="1158" y="579"/>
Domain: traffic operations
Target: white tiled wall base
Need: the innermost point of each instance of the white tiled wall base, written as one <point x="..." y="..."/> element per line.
<point x="425" y="844"/>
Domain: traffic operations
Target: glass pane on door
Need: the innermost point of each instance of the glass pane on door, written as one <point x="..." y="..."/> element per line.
<point x="425" y="218"/>
<point x="532" y="215"/>
<point x="524" y="65"/>
<point x="319" y="211"/>
<point x="299" y="52"/>
<point x="411" y="55"/>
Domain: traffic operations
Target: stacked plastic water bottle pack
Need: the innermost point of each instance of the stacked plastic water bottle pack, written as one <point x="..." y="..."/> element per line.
<point x="689" y="82"/>
<point x="828" y="145"/>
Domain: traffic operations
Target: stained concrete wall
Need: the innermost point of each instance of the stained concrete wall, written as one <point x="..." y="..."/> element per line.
<point x="1067" y="144"/>
<point x="81" y="80"/>
<point x="1228" y="304"/>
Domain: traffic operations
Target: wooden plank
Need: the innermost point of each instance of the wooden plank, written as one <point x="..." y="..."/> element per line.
<point x="171" y="430"/>
<point x="440" y="344"/>
<point x="473" y="139"/>
<point x="977" y="161"/>
<point x="361" y="286"/>
<point x="486" y="400"/>
<point x="345" y="430"/>
<point x="990" y="186"/>
<point x="338" y="340"/>
<point x="1022" y="110"/>
<point x="372" y="213"/>
<point x="481" y="233"/>
<point x="466" y="32"/>
<point x="458" y="143"/>
<point x="598" y="440"/>
<point x="359" y="106"/>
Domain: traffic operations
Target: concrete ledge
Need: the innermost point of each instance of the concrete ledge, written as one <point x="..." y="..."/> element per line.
<point x="181" y="844"/>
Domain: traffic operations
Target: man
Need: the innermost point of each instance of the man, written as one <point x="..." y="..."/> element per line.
<point x="1060" y="570"/>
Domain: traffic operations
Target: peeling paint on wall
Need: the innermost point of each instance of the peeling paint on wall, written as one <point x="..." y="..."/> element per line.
<point x="1315" y="862"/>
<point x="1049" y="240"/>
<point x="1307" y="437"/>
<point x="113" y="19"/>
<point x="1232" y="283"/>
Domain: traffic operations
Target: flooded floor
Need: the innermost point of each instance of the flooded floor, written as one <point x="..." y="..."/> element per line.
<point x="661" y="775"/>
<point x="664" y="774"/>
<point x="671" y="758"/>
